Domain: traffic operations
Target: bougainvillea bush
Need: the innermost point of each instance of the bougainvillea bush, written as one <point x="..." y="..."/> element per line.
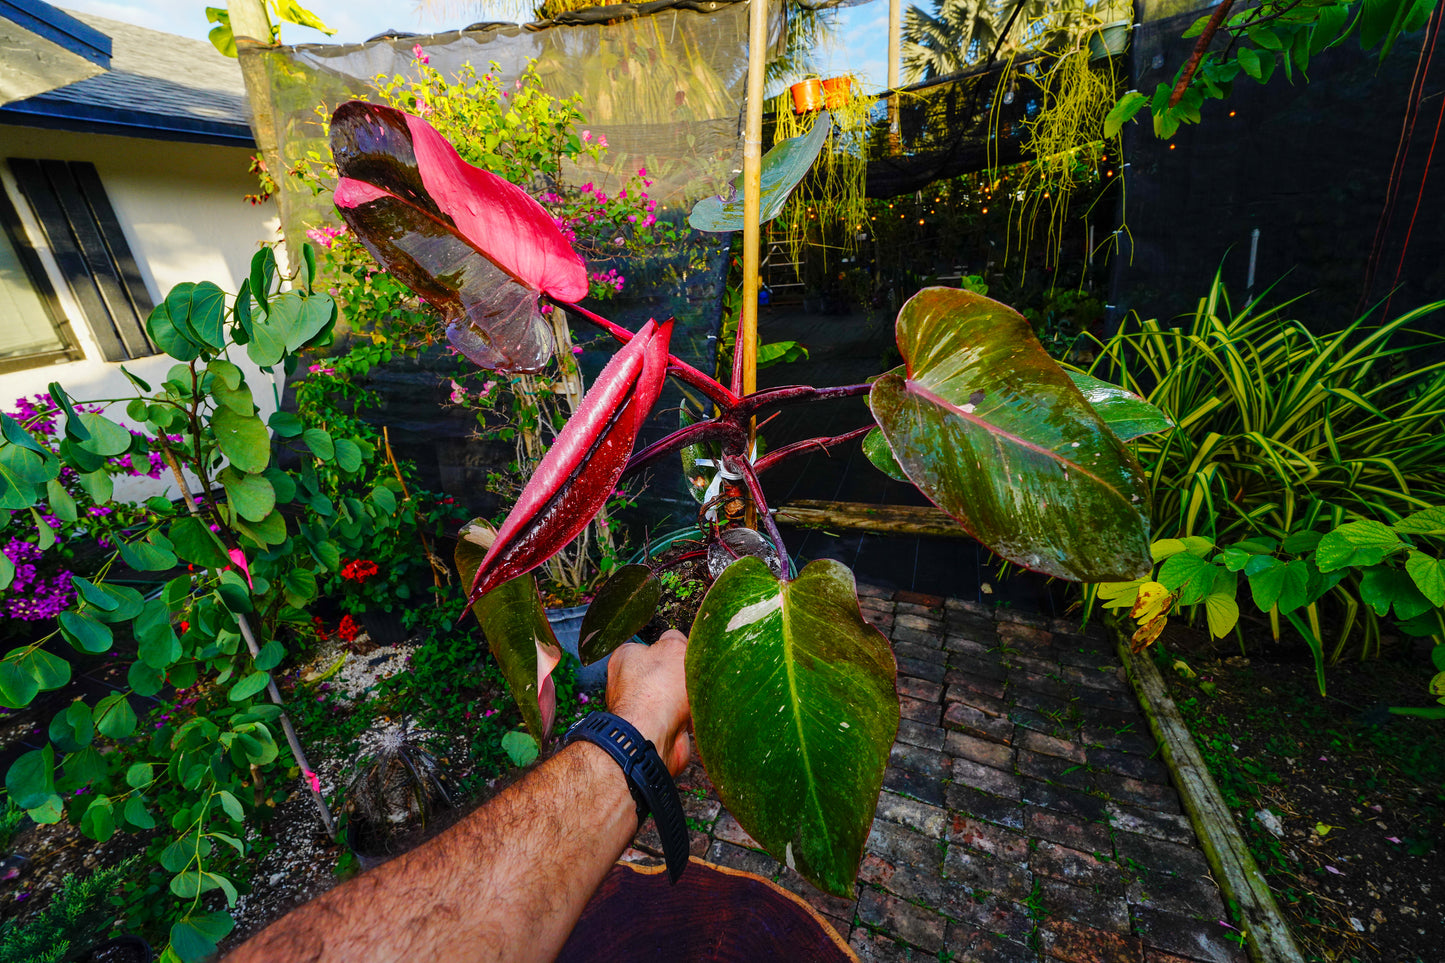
<point x="792" y="692"/>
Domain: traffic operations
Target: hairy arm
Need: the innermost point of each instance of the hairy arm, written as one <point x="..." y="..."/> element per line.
<point x="510" y="880"/>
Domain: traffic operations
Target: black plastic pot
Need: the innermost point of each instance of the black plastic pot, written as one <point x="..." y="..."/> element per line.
<point x="385" y="628"/>
<point x="122" y="949"/>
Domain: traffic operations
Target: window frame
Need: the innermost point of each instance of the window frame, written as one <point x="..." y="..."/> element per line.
<point x="44" y="288"/>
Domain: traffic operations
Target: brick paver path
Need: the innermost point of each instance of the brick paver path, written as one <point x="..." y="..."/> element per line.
<point x="1025" y="815"/>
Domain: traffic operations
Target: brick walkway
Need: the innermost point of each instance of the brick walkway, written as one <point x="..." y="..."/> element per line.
<point x="1024" y="814"/>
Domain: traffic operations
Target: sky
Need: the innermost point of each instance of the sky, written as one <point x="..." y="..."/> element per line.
<point x="859" y="44"/>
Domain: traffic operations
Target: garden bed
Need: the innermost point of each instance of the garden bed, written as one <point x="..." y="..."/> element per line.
<point x="1358" y="792"/>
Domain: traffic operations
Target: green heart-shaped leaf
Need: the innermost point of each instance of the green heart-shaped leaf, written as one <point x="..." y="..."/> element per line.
<point x="794" y="712"/>
<point x="784" y="167"/>
<point x="517" y="631"/>
<point x="989" y="427"/>
<point x="243" y="439"/>
<point x="250" y="495"/>
<point x="624" y="604"/>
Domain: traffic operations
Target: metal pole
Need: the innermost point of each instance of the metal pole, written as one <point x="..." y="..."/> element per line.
<point x="1253" y="256"/>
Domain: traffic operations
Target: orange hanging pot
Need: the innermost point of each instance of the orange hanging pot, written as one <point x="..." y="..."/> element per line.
<point x="807" y="95"/>
<point x="836" y="91"/>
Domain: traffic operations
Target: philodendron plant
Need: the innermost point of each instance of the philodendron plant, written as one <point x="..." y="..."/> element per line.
<point x="792" y="692"/>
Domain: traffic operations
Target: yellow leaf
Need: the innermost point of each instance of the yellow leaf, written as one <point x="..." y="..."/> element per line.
<point x="1153" y="601"/>
<point x="1323" y="829"/>
<point x="1183" y="669"/>
<point x="1437" y="685"/>
<point x="1148" y="633"/>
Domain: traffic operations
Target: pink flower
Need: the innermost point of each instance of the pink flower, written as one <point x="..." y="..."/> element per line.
<point x="586" y="136"/>
<point x="311" y="777"/>
<point x="582" y="698"/>
<point x="459" y="394"/>
<point x="318" y="369"/>
<point x="577" y="350"/>
<point x="642" y="172"/>
<point x="239" y="557"/>
<point x="419" y="55"/>
<point x="601" y="140"/>
<point x="487" y="386"/>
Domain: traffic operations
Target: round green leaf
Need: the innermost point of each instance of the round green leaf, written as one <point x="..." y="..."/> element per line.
<point x="194" y="542"/>
<point x="114" y="717"/>
<point x="243" y="439"/>
<point x="249" y="686"/>
<point x="875" y="446"/>
<point x="520" y="747"/>
<point x="146" y="680"/>
<point x="136" y="813"/>
<point x="319" y="441"/>
<point x="1429" y="576"/>
<point x="285" y="424"/>
<point x="348" y="455"/>
<point x="624" y="604"/>
<point x="250" y="495"/>
<point x="146" y="557"/>
<point x="794" y="712"/>
<point x="98" y="820"/>
<point x="138" y="776"/>
<point x="17" y="686"/>
<point x="31" y="778"/>
<point x="84" y="632"/>
<point x="168" y="336"/>
<point x="107" y="439"/>
<point x="989" y="427"/>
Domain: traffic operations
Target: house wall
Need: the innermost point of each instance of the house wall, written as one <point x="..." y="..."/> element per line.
<point x="184" y="215"/>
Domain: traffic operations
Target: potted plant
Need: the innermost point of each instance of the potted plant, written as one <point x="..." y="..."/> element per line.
<point x="978" y="417"/>
<point x="72" y="927"/>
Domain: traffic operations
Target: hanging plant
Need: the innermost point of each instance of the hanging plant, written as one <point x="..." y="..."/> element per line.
<point x="831" y="211"/>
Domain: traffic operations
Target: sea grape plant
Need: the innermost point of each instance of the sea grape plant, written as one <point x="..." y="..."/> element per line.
<point x="792" y="692"/>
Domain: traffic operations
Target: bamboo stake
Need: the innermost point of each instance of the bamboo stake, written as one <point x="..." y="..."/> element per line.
<point x="297" y="752"/>
<point x="745" y="378"/>
<point x="895" y="58"/>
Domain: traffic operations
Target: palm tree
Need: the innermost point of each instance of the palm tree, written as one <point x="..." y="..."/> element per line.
<point x="958" y="33"/>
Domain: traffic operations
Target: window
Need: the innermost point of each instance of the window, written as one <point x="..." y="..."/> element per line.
<point x="33" y="331"/>
<point x="85" y="237"/>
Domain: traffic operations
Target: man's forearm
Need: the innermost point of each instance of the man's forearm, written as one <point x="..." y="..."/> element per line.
<point x="506" y="883"/>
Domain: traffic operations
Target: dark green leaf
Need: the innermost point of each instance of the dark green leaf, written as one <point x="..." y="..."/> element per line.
<point x="383" y="499"/>
<point x="17" y="435"/>
<point x="1383" y="588"/>
<point x="98" y="485"/>
<point x="1249" y="60"/>
<point x="62" y="506"/>
<point x="31" y="778"/>
<point x="146" y="681"/>
<point x="107" y="439"/>
<point x="145" y="557"/>
<point x="520" y="747"/>
<point x="114" y="717"/>
<point x="518" y="633"/>
<point x="196" y="937"/>
<point x="138" y="776"/>
<point x="98" y="820"/>
<point x="194" y="542"/>
<point x="1123" y="112"/>
<point x="794" y="712"/>
<point x="994" y="433"/>
<point x="270" y="655"/>
<point x="348" y="455"/>
<point x="301" y="317"/>
<point x="157" y="645"/>
<point x="623" y="605"/>
<point x="249" y="686"/>
<point x="263" y="274"/>
<point x="17" y="686"/>
<point x="285" y="424"/>
<point x="84" y="632"/>
<point x="136" y="814"/>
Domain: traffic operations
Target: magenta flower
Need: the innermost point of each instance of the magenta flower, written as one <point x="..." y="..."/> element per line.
<point x="419" y="55"/>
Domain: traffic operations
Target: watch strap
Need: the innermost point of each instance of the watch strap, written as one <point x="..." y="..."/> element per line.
<point x="647" y="778"/>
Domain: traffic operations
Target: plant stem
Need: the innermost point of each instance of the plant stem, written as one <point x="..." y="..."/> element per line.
<point x="772" y="458"/>
<point x="718" y="392"/>
<point x="755" y="489"/>
<point x="296" y="751"/>
<point x="792" y="394"/>
<point x="1200" y="47"/>
<point x="710" y="430"/>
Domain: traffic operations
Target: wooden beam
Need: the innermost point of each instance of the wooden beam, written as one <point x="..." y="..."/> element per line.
<point x="905" y="520"/>
<point x="1267" y="936"/>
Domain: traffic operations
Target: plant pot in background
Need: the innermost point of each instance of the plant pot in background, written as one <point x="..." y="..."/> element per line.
<point x="836" y="91"/>
<point x="713" y="914"/>
<point x="122" y="949"/>
<point x="567" y="626"/>
<point x="807" y="95"/>
<point x="385" y="628"/>
<point x="1110" y="40"/>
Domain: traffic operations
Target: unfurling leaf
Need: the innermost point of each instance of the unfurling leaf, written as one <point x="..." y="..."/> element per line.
<point x="517" y="631"/>
<point x="989" y="427"/>
<point x="478" y="248"/>
<point x="1128" y="415"/>
<point x="794" y="710"/>
<point x="580" y="470"/>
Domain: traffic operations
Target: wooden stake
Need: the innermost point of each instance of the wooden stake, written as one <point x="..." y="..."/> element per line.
<point x="745" y="371"/>
<point x="895" y="58"/>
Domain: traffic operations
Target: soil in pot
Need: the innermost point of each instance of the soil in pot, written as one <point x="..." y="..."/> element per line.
<point x="685" y="580"/>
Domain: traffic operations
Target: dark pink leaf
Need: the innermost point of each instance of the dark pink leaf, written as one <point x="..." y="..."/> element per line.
<point x="480" y="249"/>
<point x="579" y="471"/>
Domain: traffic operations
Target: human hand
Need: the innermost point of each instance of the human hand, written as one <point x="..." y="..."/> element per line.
<point x="646" y="685"/>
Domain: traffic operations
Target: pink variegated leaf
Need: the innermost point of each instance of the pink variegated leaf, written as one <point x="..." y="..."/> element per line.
<point x="480" y="249"/>
<point x="583" y="465"/>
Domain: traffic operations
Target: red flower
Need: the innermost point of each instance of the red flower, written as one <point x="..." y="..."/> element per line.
<point x="348" y="630"/>
<point x="320" y="627"/>
<point x="185" y="626"/>
<point x="359" y="570"/>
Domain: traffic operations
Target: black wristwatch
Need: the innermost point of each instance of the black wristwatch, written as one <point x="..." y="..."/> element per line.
<point x="648" y="779"/>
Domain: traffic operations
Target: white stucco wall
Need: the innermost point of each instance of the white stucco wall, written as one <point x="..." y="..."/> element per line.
<point x="185" y="218"/>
